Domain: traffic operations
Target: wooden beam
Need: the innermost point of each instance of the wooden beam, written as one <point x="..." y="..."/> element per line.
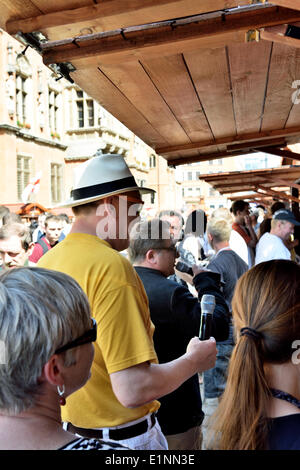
<point x="245" y="138"/>
<point x="278" y="194"/>
<point x="293" y="4"/>
<point x="252" y="145"/>
<point x="167" y="39"/>
<point x="280" y="182"/>
<point x="114" y="14"/>
<point x="280" y="152"/>
<point x="247" y="196"/>
<point x="203" y="158"/>
<point x="277" y="34"/>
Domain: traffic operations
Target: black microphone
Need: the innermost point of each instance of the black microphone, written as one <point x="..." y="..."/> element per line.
<point x="208" y="303"/>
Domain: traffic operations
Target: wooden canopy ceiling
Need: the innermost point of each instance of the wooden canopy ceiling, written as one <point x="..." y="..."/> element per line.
<point x="257" y="185"/>
<point x="196" y="80"/>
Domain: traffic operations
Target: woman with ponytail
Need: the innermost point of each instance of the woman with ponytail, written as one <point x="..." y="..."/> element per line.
<point x="260" y="408"/>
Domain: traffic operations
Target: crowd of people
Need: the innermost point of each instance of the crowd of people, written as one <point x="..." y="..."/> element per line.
<point x="101" y="351"/>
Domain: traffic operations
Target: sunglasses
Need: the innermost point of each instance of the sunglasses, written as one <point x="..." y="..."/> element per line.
<point x="138" y="202"/>
<point x="88" y="337"/>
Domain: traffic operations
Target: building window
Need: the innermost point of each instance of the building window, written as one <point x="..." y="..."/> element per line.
<point x="152" y="161"/>
<point x="190" y="175"/>
<point x="85" y="110"/>
<point x="53" y="110"/>
<point x="56" y="182"/>
<point x="90" y="112"/>
<point x="23" y="174"/>
<point x="21" y="98"/>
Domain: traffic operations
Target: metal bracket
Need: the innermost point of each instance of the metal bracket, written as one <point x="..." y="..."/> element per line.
<point x="63" y="70"/>
<point x="34" y="40"/>
<point x="253" y="35"/>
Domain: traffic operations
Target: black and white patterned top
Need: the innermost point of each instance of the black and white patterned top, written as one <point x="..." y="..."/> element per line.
<point x="83" y="443"/>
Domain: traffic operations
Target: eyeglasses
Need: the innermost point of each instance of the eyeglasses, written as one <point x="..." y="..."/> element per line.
<point x="88" y="337"/>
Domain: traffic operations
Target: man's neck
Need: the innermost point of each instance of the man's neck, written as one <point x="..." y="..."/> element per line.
<point x="274" y="232"/>
<point x="144" y="264"/>
<point x="220" y="245"/>
<point x="91" y="225"/>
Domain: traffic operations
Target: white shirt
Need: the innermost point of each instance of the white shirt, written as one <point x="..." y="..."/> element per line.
<point x="238" y="244"/>
<point x="271" y="247"/>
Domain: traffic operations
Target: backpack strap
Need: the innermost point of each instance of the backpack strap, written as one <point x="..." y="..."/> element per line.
<point x="43" y="244"/>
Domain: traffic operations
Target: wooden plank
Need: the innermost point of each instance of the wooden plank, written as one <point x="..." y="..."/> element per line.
<point x="247" y="196"/>
<point x="280" y="152"/>
<point x="209" y="72"/>
<point x="171" y="78"/>
<point x="293" y="4"/>
<point x="17" y="9"/>
<point x="280" y="182"/>
<point x="113" y="14"/>
<point x="133" y="82"/>
<point x="258" y="144"/>
<point x="165" y="40"/>
<point x="249" y="72"/>
<point x="108" y="96"/>
<point x="294" y="115"/>
<point x="203" y="158"/>
<point x="284" y="70"/>
<point x="271" y="34"/>
<point x="46" y="6"/>
<point x="278" y="194"/>
<point x="255" y="136"/>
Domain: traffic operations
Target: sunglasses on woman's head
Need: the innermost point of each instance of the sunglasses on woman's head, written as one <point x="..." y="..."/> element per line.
<point x="88" y="337"/>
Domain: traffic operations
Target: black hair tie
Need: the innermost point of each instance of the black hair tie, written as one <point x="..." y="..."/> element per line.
<point x="251" y="332"/>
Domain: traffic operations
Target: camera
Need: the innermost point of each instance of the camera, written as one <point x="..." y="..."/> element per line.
<point x="185" y="262"/>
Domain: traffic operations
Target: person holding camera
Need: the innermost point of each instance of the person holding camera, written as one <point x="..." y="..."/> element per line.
<point x="176" y="314"/>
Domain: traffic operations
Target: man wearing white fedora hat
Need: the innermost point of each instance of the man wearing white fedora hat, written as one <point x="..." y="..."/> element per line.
<point x="120" y="400"/>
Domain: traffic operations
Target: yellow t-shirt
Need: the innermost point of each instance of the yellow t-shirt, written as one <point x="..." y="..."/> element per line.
<point x="120" y="306"/>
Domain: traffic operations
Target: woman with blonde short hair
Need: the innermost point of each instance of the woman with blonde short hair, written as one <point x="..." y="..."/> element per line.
<point x="46" y="351"/>
<point x="260" y="408"/>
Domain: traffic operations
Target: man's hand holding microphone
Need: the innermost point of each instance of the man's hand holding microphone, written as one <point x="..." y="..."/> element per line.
<point x="205" y="350"/>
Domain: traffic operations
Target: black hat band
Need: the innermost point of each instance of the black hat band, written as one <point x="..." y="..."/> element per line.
<point x="103" y="188"/>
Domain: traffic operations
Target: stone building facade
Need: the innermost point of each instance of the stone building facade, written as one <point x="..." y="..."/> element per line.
<point x="48" y="126"/>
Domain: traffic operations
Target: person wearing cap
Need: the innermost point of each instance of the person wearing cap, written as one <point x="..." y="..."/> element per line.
<point x="273" y="245"/>
<point x="120" y="400"/>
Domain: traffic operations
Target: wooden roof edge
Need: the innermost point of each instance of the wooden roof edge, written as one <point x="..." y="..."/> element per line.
<point x="248" y="172"/>
<point x="116" y="14"/>
<point x="254" y="139"/>
<point x="183" y="36"/>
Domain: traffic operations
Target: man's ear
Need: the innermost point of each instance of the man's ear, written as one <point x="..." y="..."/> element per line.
<point x="53" y="370"/>
<point x="151" y="256"/>
<point x="30" y="249"/>
<point x="209" y="237"/>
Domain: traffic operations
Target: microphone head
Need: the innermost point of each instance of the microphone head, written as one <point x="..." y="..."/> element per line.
<point x="208" y="303"/>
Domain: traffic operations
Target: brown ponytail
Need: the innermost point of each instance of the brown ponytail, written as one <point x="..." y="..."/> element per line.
<point x="266" y="315"/>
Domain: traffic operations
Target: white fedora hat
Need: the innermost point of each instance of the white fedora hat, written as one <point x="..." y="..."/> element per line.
<point x="99" y="177"/>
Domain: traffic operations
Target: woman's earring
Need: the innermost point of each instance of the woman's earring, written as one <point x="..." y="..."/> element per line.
<point x="60" y="392"/>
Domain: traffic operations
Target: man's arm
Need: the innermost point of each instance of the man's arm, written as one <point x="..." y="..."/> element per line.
<point x="143" y="383"/>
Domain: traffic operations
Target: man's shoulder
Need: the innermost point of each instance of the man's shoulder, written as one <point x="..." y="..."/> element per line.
<point x="156" y="277"/>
